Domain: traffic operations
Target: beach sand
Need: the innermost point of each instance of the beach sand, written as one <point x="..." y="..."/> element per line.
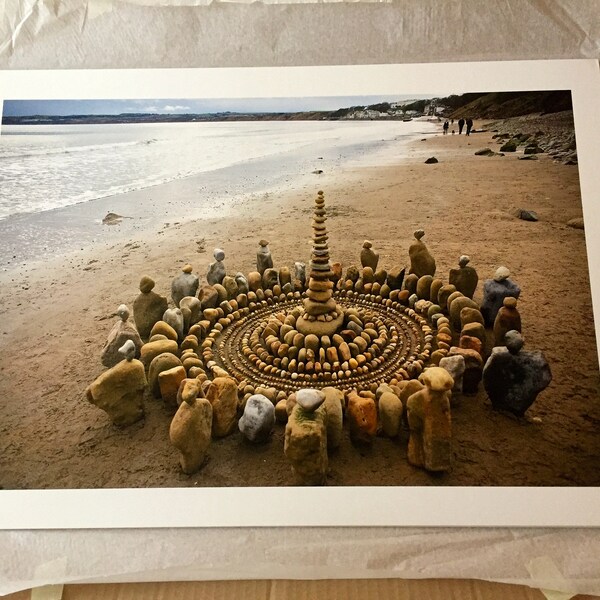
<point x="56" y="315"/>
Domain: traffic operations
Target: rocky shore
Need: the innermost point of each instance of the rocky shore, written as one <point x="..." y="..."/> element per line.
<point x="553" y="134"/>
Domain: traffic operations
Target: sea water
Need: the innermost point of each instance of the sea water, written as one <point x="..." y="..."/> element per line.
<point x="57" y="182"/>
<point x="44" y="167"/>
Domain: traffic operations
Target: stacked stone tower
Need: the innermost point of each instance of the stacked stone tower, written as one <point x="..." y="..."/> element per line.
<point x="321" y="314"/>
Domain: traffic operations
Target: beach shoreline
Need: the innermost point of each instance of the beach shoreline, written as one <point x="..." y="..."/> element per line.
<point x="29" y="236"/>
<point x="58" y="313"/>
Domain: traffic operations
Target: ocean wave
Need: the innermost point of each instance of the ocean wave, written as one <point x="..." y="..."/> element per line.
<point x="74" y="149"/>
<point x="8" y="212"/>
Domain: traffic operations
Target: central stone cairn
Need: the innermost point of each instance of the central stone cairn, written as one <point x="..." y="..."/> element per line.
<point x="322" y="316"/>
<point x="319" y="337"/>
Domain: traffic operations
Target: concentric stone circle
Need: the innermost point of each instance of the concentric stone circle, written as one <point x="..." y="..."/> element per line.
<point x="259" y="346"/>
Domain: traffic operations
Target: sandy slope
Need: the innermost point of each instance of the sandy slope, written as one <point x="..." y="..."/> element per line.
<point x="56" y="316"/>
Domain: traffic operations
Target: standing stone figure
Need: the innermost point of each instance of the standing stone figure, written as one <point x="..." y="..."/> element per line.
<point x="507" y="319"/>
<point x="120" y="390"/>
<point x="421" y="261"/>
<point x="368" y="257"/>
<point x="148" y="307"/>
<point x="216" y="270"/>
<point x="121" y="332"/>
<point x="190" y="430"/>
<point x="185" y="284"/>
<point x="513" y="377"/>
<point x="305" y="443"/>
<point x="464" y="278"/>
<point x="264" y="260"/>
<point x="428" y="412"/>
<point x="494" y="292"/>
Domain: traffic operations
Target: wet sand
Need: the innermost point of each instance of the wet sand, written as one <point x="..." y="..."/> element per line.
<point x="57" y="314"/>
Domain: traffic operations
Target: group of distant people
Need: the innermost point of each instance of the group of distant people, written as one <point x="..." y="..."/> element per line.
<point x="461" y="124"/>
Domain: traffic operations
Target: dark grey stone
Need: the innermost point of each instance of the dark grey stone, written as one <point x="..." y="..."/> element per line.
<point x="494" y="293"/>
<point x="185" y="284"/>
<point x="513" y="377"/>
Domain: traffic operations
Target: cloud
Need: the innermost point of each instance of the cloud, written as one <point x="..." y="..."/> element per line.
<point x="151" y="109"/>
<point x="176" y="107"/>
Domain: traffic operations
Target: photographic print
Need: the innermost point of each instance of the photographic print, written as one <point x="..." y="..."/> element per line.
<point x="376" y="291"/>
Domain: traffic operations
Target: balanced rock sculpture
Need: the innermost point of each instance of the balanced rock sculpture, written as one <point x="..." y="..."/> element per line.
<point x="216" y="270"/>
<point x="305" y="443"/>
<point x="264" y="260"/>
<point x="120" y="390"/>
<point x="421" y="261"/>
<point x="121" y="332"/>
<point x="148" y="307"/>
<point x="494" y="292"/>
<point x="464" y="278"/>
<point x="507" y="319"/>
<point x="322" y="316"/>
<point x="258" y="419"/>
<point x="513" y="377"/>
<point x="428" y="412"/>
<point x="368" y="257"/>
<point x="185" y="284"/>
<point x="190" y="430"/>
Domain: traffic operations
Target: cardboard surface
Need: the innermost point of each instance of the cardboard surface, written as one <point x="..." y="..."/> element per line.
<point x="103" y="33"/>
<point x="302" y="590"/>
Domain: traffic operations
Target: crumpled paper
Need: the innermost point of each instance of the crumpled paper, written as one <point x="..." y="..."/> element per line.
<point x="52" y="34"/>
<point x="561" y="560"/>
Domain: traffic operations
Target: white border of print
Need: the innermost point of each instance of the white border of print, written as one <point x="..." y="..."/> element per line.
<point x="329" y="506"/>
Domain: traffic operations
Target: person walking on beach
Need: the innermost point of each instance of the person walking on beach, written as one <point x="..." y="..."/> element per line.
<point x="461" y="124"/>
<point x="469" y="123"/>
<point x="445" y="127"/>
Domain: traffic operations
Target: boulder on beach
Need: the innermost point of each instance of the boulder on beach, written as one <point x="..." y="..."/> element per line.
<point x="575" y="223"/>
<point x="510" y="146"/>
<point x="525" y="215"/>
<point x="113" y="219"/>
<point x="431" y="160"/>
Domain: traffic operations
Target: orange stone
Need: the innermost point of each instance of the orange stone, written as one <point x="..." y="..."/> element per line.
<point x="169" y="382"/>
<point x="361" y="414"/>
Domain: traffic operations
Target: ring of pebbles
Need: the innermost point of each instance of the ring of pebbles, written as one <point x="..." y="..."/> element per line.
<point x="261" y="347"/>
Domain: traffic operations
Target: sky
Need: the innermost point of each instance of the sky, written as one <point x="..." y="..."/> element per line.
<point x="19" y="108"/>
